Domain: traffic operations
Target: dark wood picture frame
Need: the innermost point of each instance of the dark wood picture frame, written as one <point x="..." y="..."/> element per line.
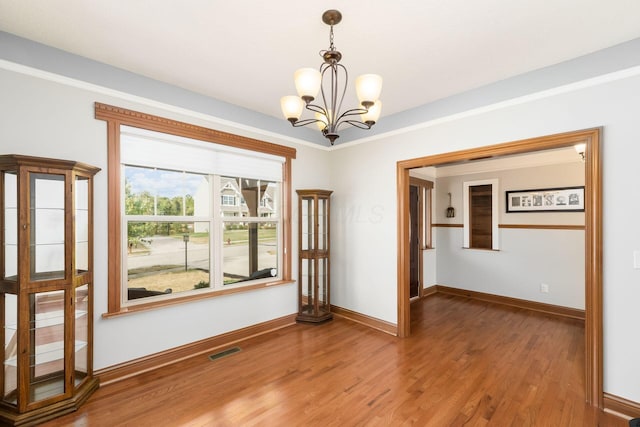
<point x="560" y="199"/>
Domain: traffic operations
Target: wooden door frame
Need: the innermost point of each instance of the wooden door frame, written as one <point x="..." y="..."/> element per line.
<point x="593" y="235"/>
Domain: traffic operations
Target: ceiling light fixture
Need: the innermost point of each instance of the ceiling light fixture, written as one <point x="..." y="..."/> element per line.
<point x="331" y="81"/>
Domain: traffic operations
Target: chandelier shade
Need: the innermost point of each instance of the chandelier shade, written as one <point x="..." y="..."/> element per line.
<point x="321" y="120"/>
<point x="372" y="115"/>
<point x="292" y="107"/>
<point x="368" y="88"/>
<point x="330" y="82"/>
<point x="308" y="81"/>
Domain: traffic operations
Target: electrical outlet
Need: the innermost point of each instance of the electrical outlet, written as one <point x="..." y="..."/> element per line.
<point x="544" y="288"/>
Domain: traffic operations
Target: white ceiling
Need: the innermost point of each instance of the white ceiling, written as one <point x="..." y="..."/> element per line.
<point x="245" y="52"/>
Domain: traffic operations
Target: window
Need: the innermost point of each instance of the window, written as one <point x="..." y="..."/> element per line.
<point x="198" y="212"/>
<point x="228" y="200"/>
<point x="480" y="220"/>
<point x="168" y="246"/>
<point x="251" y="249"/>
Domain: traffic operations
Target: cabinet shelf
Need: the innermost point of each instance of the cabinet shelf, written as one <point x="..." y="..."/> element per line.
<point x="50" y="318"/>
<point x="46" y="353"/>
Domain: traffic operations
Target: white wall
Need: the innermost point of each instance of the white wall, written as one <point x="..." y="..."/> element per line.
<point x="429" y="267"/>
<point x="364" y="177"/>
<point x="47" y="119"/>
<point x="527" y="258"/>
<point x="363" y="232"/>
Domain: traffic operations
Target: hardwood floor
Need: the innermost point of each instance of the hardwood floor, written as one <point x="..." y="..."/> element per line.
<point x="468" y="363"/>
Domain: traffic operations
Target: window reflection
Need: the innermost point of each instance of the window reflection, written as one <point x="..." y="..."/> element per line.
<point x="243" y="197"/>
<point x="250" y="251"/>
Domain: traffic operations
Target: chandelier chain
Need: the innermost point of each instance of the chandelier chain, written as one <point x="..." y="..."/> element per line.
<point x="331" y="46"/>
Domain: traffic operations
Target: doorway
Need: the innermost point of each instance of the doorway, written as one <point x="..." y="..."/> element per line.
<point x="593" y="235"/>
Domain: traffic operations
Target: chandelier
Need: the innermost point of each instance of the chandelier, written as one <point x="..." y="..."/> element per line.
<point x="331" y="81"/>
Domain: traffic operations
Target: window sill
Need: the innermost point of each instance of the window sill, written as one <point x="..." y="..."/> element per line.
<point x="187" y="298"/>
<point x="482" y="249"/>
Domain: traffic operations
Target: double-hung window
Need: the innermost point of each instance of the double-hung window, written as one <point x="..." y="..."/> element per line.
<point x="195" y="218"/>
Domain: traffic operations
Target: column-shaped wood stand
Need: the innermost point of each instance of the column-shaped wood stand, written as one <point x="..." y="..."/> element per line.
<point x="313" y="261"/>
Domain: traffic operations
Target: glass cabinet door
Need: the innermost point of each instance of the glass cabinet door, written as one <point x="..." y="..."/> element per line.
<point x="306" y="223"/>
<point x="81" y="304"/>
<point x="81" y="191"/>
<point x="307" y="275"/>
<point x="323" y="286"/>
<point x="10" y="225"/>
<point x="10" y="380"/>
<point x="47" y="226"/>
<point x="322" y="224"/>
<point x="46" y="345"/>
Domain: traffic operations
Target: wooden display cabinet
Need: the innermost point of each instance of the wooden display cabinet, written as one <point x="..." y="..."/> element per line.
<point x="46" y="288"/>
<point x="314" y="304"/>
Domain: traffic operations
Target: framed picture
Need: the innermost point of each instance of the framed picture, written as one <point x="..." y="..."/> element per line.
<point x="566" y="199"/>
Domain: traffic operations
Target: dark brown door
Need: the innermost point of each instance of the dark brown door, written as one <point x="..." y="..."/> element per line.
<point x="480" y="216"/>
<point x="414" y="227"/>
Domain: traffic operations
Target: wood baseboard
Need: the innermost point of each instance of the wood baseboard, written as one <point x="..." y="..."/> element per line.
<point x="363" y="319"/>
<point x="557" y="310"/>
<point x="428" y="291"/>
<point x="158" y="360"/>
<point x="621" y="407"/>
